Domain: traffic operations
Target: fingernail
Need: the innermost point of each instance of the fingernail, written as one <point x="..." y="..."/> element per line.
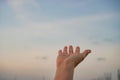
<point x="89" y="51"/>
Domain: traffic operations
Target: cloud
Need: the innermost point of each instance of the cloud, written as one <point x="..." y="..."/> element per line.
<point x="51" y="30"/>
<point x="57" y="28"/>
<point x="101" y="59"/>
<point x="76" y="3"/>
<point x="20" y="8"/>
<point x="18" y="5"/>
<point x="95" y="42"/>
<point x="41" y="58"/>
<point x="105" y="39"/>
<point x="68" y="4"/>
<point x="83" y="22"/>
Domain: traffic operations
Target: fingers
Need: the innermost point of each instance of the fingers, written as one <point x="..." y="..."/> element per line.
<point x="70" y="49"/>
<point x="77" y="51"/>
<point x="60" y="52"/>
<point x="65" y="50"/>
<point x="85" y="53"/>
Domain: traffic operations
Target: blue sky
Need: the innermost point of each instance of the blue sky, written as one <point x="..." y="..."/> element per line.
<point x="31" y="29"/>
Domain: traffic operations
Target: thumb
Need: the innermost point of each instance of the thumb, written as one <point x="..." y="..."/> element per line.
<point x="85" y="53"/>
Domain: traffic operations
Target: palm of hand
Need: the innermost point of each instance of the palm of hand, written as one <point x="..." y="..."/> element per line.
<point x="73" y="58"/>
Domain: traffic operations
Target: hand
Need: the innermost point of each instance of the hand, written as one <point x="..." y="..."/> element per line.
<point x="67" y="60"/>
<point x="70" y="56"/>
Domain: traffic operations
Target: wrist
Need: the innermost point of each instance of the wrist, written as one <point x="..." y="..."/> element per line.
<point x="66" y="66"/>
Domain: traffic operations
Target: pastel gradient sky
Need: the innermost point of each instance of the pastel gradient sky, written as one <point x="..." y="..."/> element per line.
<point x="32" y="31"/>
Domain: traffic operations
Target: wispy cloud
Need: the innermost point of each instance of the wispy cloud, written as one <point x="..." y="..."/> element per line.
<point x="44" y="28"/>
<point x="41" y="58"/>
<point x="19" y="5"/>
<point x="20" y="8"/>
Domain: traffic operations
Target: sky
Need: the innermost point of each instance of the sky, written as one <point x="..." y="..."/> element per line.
<point x="32" y="32"/>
